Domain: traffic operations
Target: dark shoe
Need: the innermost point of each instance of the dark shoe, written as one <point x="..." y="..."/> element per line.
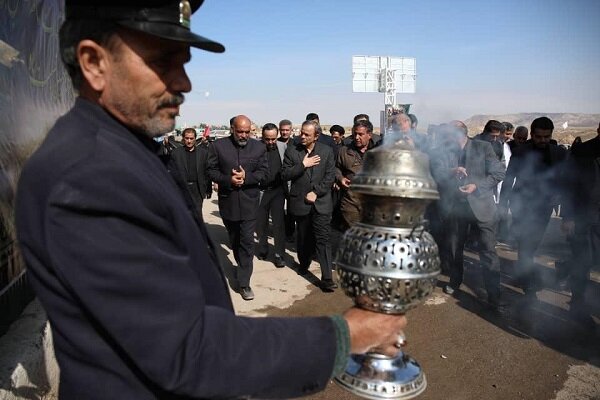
<point x="261" y="257"/>
<point x="328" y="285"/>
<point x="300" y="270"/>
<point x="497" y="301"/>
<point x="247" y="293"/>
<point x="278" y="261"/>
<point x="449" y="290"/>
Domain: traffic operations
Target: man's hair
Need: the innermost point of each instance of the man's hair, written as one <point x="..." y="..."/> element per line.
<point x="317" y="127"/>
<point x="74" y="31"/>
<point x="358" y="117"/>
<point x="458" y="126"/>
<point x="364" y="124"/>
<point x="312" y="116"/>
<point x="232" y="120"/>
<point x="285" y="122"/>
<point x="396" y="119"/>
<point x="337" y="128"/>
<point x="541" y="123"/>
<point x="521" y="129"/>
<point x="269" y="127"/>
<point x="508" y="126"/>
<point x="188" y="130"/>
<point x="413" y="119"/>
<point x="494" y="126"/>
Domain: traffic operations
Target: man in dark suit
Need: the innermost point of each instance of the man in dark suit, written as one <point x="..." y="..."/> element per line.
<point x="467" y="174"/>
<point x="237" y="165"/>
<point x="138" y="305"/>
<point x="531" y="189"/>
<point x="191" y="162"/>
<point x="311" y="168"/>
<point x="272" y="198"/>
<point x="581" y="219"/>
<point x="285" y="136"/>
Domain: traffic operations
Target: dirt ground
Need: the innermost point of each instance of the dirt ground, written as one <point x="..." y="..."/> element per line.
<point x="532" y="351"/>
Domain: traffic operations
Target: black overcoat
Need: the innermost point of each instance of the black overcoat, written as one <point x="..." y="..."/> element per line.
<point x="138" y="308"/>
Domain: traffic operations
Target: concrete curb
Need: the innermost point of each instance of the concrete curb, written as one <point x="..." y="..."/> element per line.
<point x="28" y="368"/>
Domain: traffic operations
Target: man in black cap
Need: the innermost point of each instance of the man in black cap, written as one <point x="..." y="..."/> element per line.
<point x="126" y="272"/>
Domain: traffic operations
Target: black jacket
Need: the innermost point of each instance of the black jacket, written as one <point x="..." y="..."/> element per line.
<point x="179" y="156"/>
<point x="138" y="308"/>
<point x="318" y="178"/>
<point x="224" y="155"/>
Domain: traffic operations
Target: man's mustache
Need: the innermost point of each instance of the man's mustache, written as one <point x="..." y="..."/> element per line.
<point x="175" y="100"/>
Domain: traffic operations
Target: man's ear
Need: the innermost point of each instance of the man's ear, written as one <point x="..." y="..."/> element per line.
<point x="94" y="62"/>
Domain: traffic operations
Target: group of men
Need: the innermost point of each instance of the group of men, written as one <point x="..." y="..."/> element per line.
<point x="298" y="181"/>
<point x="483" y="180"/>
<point x="117" y="250"/>
<point x="118" y="253"/>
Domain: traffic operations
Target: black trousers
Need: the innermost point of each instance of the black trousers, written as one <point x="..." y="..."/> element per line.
<point x="530" y="225"/>
<point x="290" y="223"/>
<point x="313" y="234"/>
<point x="585" y="249"/>
<point x="271" y="203"/>
<point x="241" y="236"/>
<point x="460" y="220"/>
<point x="197" y="197"/>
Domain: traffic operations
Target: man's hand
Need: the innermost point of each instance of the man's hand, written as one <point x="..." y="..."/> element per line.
<point x="237" y="177"/>
<point x="242" y="172"/>
<point x="345" y="182"/>
<point x="468" y="189"/>
<point x="310" y="161"/>
<point x="567" y="226"/>
<point x="371" y="331"/>
<point x="460" y="172"/>
<point x="310" y="197"/>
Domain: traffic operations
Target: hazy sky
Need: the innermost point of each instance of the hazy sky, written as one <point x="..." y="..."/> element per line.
<point x="285" y="59"/>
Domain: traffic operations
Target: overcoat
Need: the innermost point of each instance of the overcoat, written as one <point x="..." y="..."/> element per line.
<point x="137" y="306"/>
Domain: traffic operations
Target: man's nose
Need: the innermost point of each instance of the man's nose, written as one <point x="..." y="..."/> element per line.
<point x="181" y="82"/>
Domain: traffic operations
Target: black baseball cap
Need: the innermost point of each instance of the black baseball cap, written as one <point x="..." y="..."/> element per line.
<point x="167" y="19"/>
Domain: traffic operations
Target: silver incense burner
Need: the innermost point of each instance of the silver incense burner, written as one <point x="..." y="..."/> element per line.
<point x="388" y="262"/>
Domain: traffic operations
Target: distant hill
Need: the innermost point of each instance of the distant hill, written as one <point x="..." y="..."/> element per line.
<point x="583" y="125"/>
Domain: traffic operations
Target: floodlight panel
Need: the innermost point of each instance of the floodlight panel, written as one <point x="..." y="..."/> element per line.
<point x="365" y="74"/>
<point x="405" y="73"/>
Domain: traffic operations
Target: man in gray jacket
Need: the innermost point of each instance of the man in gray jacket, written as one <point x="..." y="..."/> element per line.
<point x="467" y="173"/>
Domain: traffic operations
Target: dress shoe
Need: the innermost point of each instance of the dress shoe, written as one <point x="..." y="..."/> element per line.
<point x="497" y="301"/>
<point x="300" y="270"/>
<point x="261" y="257"/>
<point x="247" y="293"/>
<point x="328" y="285"/>
<point x="278" y="261"/>
<point x="449" y="290"/>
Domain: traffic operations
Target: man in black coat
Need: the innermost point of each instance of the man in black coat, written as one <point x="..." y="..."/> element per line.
<point x="467" y="174"/>
<point x="531" y="189"/>
<point x="272" y="198"/>
<point x="191" y="163"/>
<point x="238" y="165"/>
<point x="138" y="305"/>
<point x="311" y="168"/>
<point x="581" y="218"/>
